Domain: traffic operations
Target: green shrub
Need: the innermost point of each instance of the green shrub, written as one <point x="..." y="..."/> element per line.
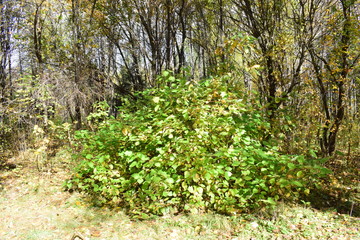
<point x="187" y="146"/>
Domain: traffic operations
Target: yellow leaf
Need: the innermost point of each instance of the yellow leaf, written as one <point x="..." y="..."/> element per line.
<point x="125" y="131"/>
<point x="156" y="99"/>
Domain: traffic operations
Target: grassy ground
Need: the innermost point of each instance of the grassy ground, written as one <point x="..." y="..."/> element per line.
<point x="34" y="206"/>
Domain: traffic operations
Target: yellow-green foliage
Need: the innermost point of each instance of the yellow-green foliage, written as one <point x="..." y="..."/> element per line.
<point x="186" y="146"/>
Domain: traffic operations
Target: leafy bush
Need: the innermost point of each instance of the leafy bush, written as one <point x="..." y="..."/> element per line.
<point x="187" y="146"/>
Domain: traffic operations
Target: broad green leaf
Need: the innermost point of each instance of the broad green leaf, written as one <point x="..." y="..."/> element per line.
<point x="291" y="166"/>
<point x="228" y="175"/>
<point x="300" y="174"/>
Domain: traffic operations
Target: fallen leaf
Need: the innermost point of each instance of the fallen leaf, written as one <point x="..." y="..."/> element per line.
<point x="95" y="233"/>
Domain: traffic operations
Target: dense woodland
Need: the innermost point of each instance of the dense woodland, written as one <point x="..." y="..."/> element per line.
<point x="110" y="67"/>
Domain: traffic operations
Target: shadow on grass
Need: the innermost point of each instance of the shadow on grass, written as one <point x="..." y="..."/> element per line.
<point x="326" y="200"/>
<point x="341" y="191"/>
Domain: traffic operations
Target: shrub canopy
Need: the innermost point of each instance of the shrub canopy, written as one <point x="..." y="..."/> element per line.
<point x="187" y="145"/>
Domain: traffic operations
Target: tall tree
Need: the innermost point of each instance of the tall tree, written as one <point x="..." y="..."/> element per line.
<point x="281" y="55"/>
<point x="334" y="54"/>
<point x="6" y="28"/>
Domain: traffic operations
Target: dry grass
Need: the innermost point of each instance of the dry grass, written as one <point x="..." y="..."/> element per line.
<point x="34" y="206"/>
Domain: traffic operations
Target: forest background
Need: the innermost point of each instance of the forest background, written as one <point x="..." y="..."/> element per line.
<point x="89" y="65"/>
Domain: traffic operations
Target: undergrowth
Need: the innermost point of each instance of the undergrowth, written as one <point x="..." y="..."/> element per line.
<point x="188" y="146"/>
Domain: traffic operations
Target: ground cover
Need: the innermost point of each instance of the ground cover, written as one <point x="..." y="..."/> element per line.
<point x="33" y="205"/>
